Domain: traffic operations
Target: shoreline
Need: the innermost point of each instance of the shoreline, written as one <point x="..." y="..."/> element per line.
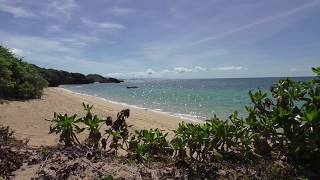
<point x="187" y="117"/>
<point x="27" y="118"/>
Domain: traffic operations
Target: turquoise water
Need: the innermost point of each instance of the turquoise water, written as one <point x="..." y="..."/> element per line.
<point x="189" y="98"/>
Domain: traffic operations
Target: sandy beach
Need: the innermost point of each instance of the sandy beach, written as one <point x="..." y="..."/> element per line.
<point x="27" y="118"/>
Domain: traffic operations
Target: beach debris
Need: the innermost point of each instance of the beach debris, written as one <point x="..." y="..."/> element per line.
<point x="12" y="156"/>
<point x="118" y="131"/>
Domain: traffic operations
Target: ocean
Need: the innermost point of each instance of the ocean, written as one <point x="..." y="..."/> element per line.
<point x="193" y="99"/>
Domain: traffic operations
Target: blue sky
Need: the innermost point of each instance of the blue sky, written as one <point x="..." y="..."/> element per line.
<point x="167" y="38"/>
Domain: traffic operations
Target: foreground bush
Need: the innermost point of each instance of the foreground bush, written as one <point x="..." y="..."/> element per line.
<point x="291" y="121"/>
<point x="18" y="79"/>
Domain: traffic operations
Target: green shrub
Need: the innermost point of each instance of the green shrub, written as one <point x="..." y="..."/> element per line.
<point x="149" y="143"/>
<point x="18" y="79"/>
<point x="67" y="127"/>
<point x="92" y="123"/>
<point x="291" y="120"/>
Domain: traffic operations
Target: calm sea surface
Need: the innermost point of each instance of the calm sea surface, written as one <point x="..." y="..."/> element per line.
<point x="189" y="98"/>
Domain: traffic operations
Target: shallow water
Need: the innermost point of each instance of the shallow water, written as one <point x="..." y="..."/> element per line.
<point x="188" y="98"/>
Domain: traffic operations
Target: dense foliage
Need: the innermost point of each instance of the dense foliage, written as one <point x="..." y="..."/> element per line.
<point x="282" y="123"/>
<point x="18" y="79"/>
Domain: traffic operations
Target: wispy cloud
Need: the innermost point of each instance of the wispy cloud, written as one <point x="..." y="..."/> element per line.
<point x="64" y="6"/>
<point x="53" y="8"/>
<point x="120" y="11"/>
<point x="78" y="40"/>
<point x="67" y="45"/>
<point x="60" y="8"/>
<point x="102" y="25"/>
<point x="258" y="22"/>
<point x="54" y="28"/>
<point x="14" y="10"/>
<point x="228" y="68"/>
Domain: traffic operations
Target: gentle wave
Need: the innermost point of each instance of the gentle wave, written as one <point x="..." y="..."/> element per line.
<point x="189" y="117"/>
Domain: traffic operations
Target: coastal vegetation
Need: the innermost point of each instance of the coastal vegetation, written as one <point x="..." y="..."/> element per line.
<point x="22" y="80"/>
<point x="19" y="79"/>
<point x="278" y="139"/>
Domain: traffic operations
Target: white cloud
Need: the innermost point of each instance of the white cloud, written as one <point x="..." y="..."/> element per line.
<point x="166" y="71"/>
<point x="18" y="52"/>
<point x="150" y="71"/>
<point x="102" y="25"/>
<point x="120" y="11"/>
<point x="110" y="25"/>
<point x="199" y="68"/>
<point x="181" y="70"/>
<point x="14" y="10"/>
<point x="229" y="68"/>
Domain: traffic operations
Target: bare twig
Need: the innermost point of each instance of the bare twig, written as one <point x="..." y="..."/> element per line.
<point x="42" y="165"/>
